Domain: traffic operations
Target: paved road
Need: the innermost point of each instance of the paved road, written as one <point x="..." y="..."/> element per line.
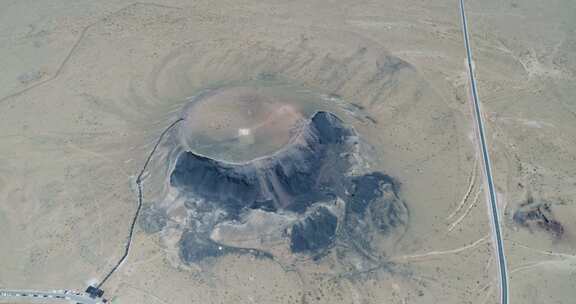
<point x="62" y="295"/>
<point x="497" y="235"/>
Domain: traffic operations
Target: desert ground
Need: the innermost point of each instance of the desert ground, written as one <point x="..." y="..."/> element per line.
<point x="526" y="67"/>
<point x="87" y="88"/>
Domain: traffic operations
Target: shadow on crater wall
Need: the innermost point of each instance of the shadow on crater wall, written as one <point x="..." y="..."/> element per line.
<point x="305" y="178"/>
<point x="308" y="170"/>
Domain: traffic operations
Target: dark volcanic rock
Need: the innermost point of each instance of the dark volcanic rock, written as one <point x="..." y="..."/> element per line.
<point x="538" y="215"/>
<point x="194" y="247"/>
<point x="313" y="168"/>
<point x="367" y="188"/>
<point x="373" y="208"/>
<point x="377" y="193"/>
<point x="315" y="232"/>
<point x="151" y="220"/>
<point x="388" y="213"/>
<point x="307" y="170"/>
<point x="231" y="187"/>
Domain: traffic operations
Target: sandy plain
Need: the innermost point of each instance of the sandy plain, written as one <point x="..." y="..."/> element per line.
<point x="88" y="87"/>
<point x="526" y="68"/>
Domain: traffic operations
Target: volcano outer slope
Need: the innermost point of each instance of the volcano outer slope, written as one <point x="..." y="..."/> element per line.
<point x="86" y="90"/>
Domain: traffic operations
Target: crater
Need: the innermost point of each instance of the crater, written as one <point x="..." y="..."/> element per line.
<point x="310" y="169"/>
<point x="239" y="123"/>
<point x="255" y="172"/>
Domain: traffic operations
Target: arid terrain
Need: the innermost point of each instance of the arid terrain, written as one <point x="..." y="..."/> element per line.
<point x="526" y="67"/>
<point x="88" y="87"/>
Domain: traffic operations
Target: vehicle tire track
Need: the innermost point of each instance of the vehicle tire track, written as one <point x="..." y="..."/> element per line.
<point x="75" y="47"/>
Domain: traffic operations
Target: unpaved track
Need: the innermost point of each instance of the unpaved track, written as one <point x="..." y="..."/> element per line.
<point x="139" y="207"/>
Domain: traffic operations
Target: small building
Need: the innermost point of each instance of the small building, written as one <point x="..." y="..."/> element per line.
<point x="94" y="292"/>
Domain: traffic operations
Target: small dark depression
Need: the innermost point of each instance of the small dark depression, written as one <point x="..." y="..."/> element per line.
<point x="535" y="216"/>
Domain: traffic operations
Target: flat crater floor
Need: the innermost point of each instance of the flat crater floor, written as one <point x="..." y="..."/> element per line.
<point x="240" y="123"/>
